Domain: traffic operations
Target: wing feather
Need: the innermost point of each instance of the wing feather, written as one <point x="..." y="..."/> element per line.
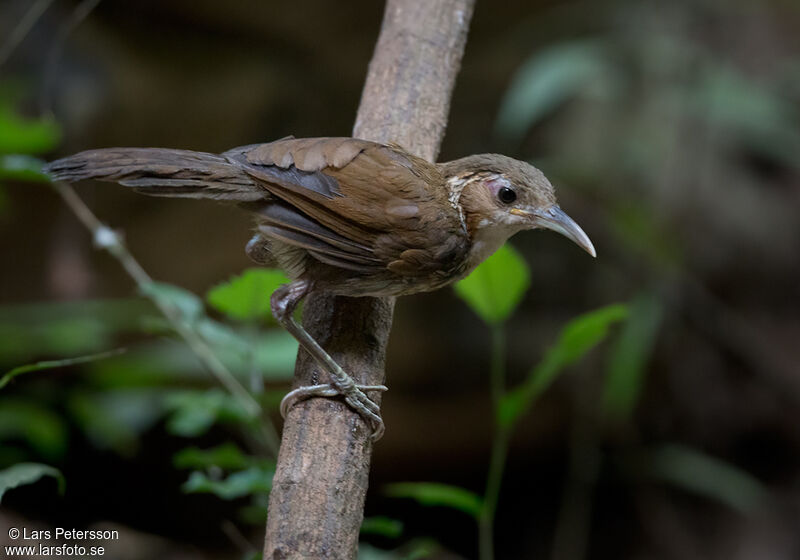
<point x="311" y="243"/>
<point x="343" y="199"/>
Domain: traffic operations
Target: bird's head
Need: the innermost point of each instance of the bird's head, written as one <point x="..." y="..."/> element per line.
<point x="500" y="196"/>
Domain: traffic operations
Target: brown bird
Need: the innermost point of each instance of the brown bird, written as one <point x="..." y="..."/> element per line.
<point x="348" y="216"/>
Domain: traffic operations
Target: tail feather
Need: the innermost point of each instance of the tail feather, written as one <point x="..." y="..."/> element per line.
<point x="161" y="172"/>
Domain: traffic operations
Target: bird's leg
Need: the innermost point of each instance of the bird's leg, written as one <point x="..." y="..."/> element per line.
<point x="284" y="301"/>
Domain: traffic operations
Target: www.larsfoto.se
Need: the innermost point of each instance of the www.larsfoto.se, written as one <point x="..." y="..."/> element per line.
<point x="42" y="549"/>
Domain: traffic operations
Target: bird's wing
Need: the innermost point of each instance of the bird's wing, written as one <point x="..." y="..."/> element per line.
<point x="353" y="204"/>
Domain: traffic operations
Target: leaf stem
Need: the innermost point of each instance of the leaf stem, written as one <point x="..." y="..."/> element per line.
<point x="51" y="364"/>
<point x="500" y="441"/>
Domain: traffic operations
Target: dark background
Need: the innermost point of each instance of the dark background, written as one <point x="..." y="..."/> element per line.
<point x="679" y="154"/>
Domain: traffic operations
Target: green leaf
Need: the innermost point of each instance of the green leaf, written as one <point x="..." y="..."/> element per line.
<point x="576" y="339"/>
<point x="368" y="552"/>
<point x="28" y="473"/>
<point x="191" y="420"/>
<point x="238" y="484"/>
<point x="50" y="364"/>
<point x="416" y="549"/>
<point x="226" y="456"/>
<point x="419" y="549"/>
<point x="254" y="514"/>
<point x="115" y="419"/>
<point x="761" y="117"/>
<point x="549" y="79"/>
<point x="194" y="412"/>
<point x="26" y="136"/>
<point x="382" y="526"/>
<point x="434" y="494"/>
<point x="494" y="289"/>
<point x="702" y="474"/>
<point x="270" y="353"/>
<point x="65" y="335"/>
<point x="154" y="363"/>
<point x="184" y="302"/>
<point x="626" y="368"/>
<point x="247" y="297"/>
<point x="20" y="167"/>
<point x="29" y="331"/>
<point x="38" y="426"/>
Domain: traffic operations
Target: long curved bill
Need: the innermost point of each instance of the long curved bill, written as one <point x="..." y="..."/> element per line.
<point x="554" y="218"/>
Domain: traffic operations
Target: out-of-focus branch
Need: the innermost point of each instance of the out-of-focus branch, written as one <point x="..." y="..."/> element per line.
<point x="80" y="13"/>
<point x="22" y="29"/>
<point x="106" y="238"/>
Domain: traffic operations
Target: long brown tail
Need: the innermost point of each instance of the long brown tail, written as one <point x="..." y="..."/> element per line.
<point x="161" y="172"/>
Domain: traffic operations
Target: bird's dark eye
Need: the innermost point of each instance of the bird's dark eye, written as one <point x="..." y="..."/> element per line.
<point x="506" y="195"/>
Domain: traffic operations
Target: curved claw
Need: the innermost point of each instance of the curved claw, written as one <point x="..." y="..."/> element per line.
<point x="303" y="393"/>
<point x="368" y="410"/>
<point x="355" y="397"/>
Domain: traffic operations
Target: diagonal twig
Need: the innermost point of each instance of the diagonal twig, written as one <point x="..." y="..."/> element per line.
<point x="22" y="29"/>
<point x="107" y="239"/>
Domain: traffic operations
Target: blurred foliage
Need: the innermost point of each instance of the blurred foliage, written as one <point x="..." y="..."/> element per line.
<point x="43" y="431"/>
<point x="246" y="482"/>
<point x="382" y="526"/>
<point x="707" y="476"/>
<point x="225" y="456"/>
<point x="416" y="549"/>
<point x="689" y="83"/>
<point x="576" y="339"/>
<point x="184" y="303"/>
<point x="494" y="290"/>
<point x="21" y="139"/>
<point x="550" y="78"/>
<point x="193" y="413"/>
<point x="115" y="419"/>
<point x="433" y="494"/>
<point x="28" y="473"/>
<point x="51" y="364"/>
<point x="118" y="397"/>
<point x="17" y="167"/>
<point x="486" y="292"/>
<point x="28" y="331"/>
<point x="638" y="227"/>
<point x="270" y="353"/>
<point x="25" y="136"/>
<point x="628" y="359"/>
<point x="683" y="151"/>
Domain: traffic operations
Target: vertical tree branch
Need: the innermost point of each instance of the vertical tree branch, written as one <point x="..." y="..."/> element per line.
<point x="317" y="500"/>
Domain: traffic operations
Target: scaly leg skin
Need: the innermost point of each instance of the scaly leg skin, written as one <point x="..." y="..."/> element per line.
<point x="284" y="301"/>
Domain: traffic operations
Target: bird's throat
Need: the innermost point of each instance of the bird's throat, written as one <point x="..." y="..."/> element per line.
<point x="487" y="240"/>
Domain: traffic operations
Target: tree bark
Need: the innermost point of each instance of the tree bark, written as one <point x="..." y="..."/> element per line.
<point x="317" y="500"/>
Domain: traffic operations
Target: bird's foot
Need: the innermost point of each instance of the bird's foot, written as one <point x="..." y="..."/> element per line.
<point x="354" y="395"/>
<point x="283" y="302"/>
